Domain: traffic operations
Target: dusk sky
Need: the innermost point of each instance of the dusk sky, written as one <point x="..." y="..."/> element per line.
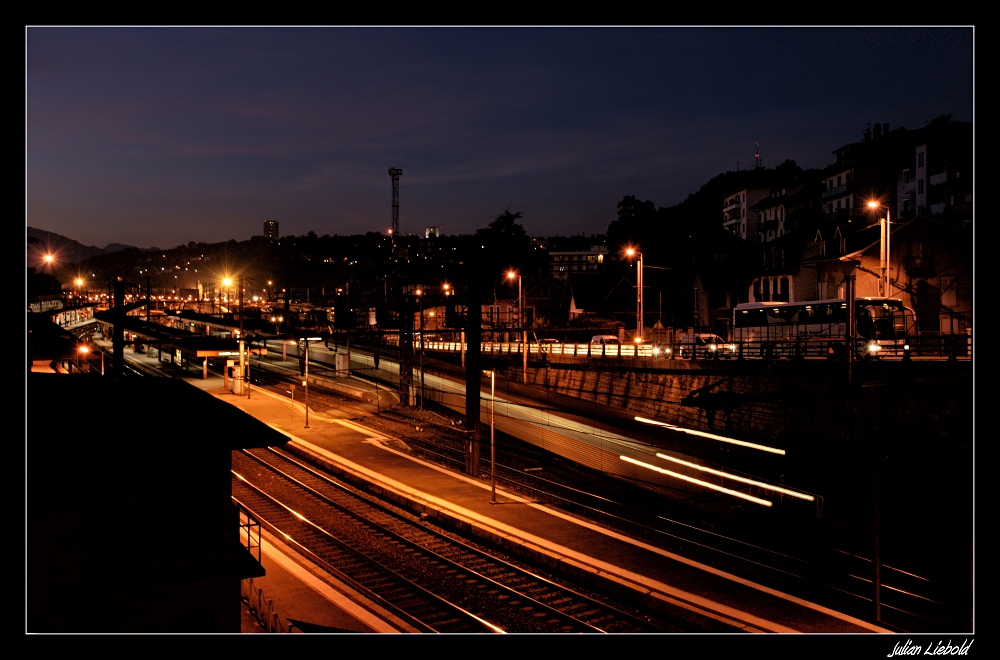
<point x="158" y="136"/>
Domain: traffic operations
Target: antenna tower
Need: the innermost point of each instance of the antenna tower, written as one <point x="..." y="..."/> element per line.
<point x="756" y="155"/>
<point x="394" y="172"/>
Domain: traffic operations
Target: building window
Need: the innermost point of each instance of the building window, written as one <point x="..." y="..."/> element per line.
<point x="948" y="297"/>
<point x="920" y="159"/>
<point x="920" y="186"/>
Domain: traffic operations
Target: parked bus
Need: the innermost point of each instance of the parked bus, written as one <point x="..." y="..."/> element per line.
<point x="818" y="328"/>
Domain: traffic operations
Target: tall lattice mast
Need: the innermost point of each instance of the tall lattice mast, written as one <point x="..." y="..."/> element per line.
<point x="394" y="172"/>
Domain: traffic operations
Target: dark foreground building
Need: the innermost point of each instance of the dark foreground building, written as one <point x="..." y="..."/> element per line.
<point x="131" y="525"/>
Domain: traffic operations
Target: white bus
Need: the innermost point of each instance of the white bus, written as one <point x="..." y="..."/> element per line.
<point x="818" y="328"/>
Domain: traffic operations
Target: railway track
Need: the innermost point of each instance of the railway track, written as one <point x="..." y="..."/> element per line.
<point x="446" y="584"/>
<point x="807" y="560"/>
<point x="803" y="558"/>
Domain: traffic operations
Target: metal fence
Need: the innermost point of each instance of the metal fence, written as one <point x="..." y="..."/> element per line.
<point x="261" y="607"/>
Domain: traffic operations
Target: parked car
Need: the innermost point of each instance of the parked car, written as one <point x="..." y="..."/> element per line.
<point x="704" y="345"/>
<point x="662" y="350"/>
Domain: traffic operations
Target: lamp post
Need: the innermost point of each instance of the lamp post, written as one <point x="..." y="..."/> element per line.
<point x="883" y="281"/>
<point x="305" y="383"/>
<point x="83" y="350"/>
<point x="638" y="301"/>
<point x="420" y="300"/>
<point x="524" y="329"/>
<point x="227" y="282"/>
<point x="493" y="449"/>
<point x="249" y="353"/>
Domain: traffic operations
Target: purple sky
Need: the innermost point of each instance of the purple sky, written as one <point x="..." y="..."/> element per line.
<point x="160" y="136"/>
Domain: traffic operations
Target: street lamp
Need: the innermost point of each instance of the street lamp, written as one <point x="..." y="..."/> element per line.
<point x="638" y="303"/>
<point x="305" y="383"/>
<point x="493" y="449"/>
<point x="227" y="282"/>
<point x="420" y="300"/>
<point x="883" y="281"/>
<point x="86" y="349"/>
<point x="249" y="349"/>
<point x="520" y="318"/>
<point x="276" y="320"/>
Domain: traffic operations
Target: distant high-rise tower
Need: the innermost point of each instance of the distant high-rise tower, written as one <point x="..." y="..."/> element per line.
<point x="394" y="172"/>
<point x="271" y="229"/>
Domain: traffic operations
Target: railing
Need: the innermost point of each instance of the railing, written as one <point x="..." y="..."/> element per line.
<point x="838" y="190"/>
<point x="261" y="608"/>
<point x="250" y="532"/>
<point x="945" y="346"/>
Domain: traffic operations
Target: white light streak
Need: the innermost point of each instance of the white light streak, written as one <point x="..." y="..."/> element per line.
<point x="712" y="436"/>
<point x="759" y="484"/>
<point x="705" y="484"/>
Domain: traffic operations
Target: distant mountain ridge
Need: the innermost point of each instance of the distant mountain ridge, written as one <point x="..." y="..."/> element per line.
<point x="69" y="250"/>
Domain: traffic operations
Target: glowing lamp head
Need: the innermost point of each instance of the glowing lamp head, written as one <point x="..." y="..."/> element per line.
<point x="84" y="349"/>
<point x="49" y="258"/>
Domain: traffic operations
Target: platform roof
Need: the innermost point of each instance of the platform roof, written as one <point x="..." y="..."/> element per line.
<point x="75" y="409"/>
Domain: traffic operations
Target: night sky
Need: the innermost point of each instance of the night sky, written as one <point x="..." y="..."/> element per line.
<point x="154" y="136"/>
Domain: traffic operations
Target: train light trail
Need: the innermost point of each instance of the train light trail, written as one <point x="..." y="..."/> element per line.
<point x="712" y="436"/>
<point x="751" y="482"/>
<point x="699" y="482"/>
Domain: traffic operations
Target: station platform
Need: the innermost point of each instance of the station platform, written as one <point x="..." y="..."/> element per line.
<point x="705" y="596"/>
<point x="307" y="600"/>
